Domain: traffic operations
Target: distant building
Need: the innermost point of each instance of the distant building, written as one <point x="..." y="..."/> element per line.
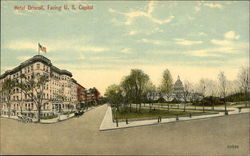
<point x="81" y="93"/>
<point x="178" y="89"/>
<point x="176" y="94"/>
<point x="93" y="95"/>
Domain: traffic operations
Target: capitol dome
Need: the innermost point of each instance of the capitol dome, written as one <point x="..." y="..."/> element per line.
<point x="178" y="86"/>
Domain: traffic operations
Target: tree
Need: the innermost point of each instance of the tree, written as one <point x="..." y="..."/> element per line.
<point x="8" y="90"/>
<point x="186" y="92"/>
<point x="149" y="90"/>
<point x="166" y="84"/>
<point x="114" y="95"/>
<point x="212" y="91"/>
<point x="243" y="78"/>
<point x="223" y="88"/>
<point x="127" y="88"/>
<point x="33" y="88"/>
<point x="139" y="81"/>
<point x="202" y="90"/>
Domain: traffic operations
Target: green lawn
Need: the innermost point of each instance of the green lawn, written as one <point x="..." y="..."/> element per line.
<point x="153" y="114"/>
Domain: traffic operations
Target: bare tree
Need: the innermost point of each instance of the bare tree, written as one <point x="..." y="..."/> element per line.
<point x="186" y="93"/>
<point x="243" y="78"/>
<point x="202" y="90"/>
<point x="223" y="88"/>
<point x="211" y="90"/>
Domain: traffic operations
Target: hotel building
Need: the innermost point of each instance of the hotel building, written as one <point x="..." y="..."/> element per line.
<point x="60" y="92"/>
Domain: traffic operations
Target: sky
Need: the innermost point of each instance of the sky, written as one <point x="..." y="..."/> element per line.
<point x="100" y="45"/>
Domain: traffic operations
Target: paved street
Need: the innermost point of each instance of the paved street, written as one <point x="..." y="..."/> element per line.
<point x="82" y="136"/>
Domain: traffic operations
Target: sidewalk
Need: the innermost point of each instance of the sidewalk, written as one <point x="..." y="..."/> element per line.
<point x="107" y="123"/>
<point x="57" y="119"/>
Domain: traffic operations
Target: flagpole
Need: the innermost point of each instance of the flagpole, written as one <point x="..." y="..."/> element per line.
<point x="38" y="50"/>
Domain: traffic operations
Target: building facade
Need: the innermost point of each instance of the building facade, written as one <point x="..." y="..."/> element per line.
<point x="81" y="93"/>
<point x="58" y="93"/>
<point x="92" y="95"/>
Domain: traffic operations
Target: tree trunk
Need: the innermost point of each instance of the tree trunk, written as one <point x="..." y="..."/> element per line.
<point x="38" y="114"/>
<point x="9" y="110"/>
<point x="225" y="105"/>
<point x="213" y="104"/>
<point x="185" y="107"/>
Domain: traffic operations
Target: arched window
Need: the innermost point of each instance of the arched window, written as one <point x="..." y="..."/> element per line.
<point x="38" y="66"/>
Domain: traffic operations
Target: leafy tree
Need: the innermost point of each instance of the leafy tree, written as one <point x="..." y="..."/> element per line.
<point x="33" y="88"/>
<point x="166" y="85"/>
<point x="127" y="88"/>
<point x="7" y="88"/>
<point x="114" y="95"/>
<point x="167" y="82"/>
<point x="139" y="81"/>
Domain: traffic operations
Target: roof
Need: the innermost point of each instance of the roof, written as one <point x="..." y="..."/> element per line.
<point x="36" y="58"/>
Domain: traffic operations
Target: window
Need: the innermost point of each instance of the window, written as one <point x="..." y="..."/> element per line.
<point x="38" y="66"/>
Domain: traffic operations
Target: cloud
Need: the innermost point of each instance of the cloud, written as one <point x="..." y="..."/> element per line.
<point x="231" y="35"/>
<point x="133" y="33"/>
<point x="22" y="45"/>
<point x="130" y="16"/>
<point x="212" y="5"/>
<point x="197" y="9"/>
<point x="82" y="57"/>
<point x="211" y="52"/>
<point x="224" y="47"/>
<point x="197" y="34"/>
<point x="126" y="51"/>
<point x="146" y="32"/>
<point x="23" y="58"/>
<point x="187" y="42"/>
<point x="155" y="42"/>
<point x="92" y="49"/>
<point x="56" y="45"/>
<point x="221" y="42"/>
<point x="202" y="34"/>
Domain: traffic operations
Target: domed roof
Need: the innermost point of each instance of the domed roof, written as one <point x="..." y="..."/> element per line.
<point x="178" y="84"/>
<point x="178" y="81"/>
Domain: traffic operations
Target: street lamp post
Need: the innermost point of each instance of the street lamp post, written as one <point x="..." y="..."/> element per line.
<point x="203" y="99"/>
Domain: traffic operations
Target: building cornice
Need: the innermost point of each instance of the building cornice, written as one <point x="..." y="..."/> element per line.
<point x="36" y="58"/>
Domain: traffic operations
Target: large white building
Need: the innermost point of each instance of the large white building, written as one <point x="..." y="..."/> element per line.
<point x="59" y="93"/>
<point x="177" y="94"/>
